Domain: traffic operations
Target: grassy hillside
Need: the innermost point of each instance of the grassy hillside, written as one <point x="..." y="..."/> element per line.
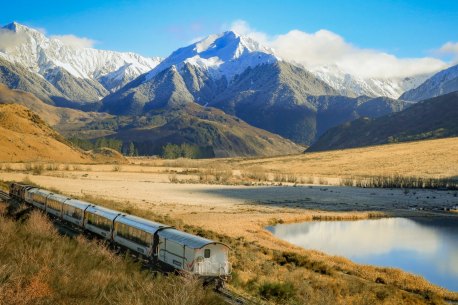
<point x="426" y="159"/>
<point x="64" y="120"/>
<point x="39" y="266"/>
<point x="429" y="119"/>
<point x="210" y="129"/>
<point x="429" y="158"/>
<point x="24" y="136"/>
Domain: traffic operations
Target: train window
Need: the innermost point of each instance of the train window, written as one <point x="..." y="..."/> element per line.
<point x="54" y="204"/>
<point x="76" y="213"/>
<point x="134" y="235"/>
<point x="207" y="253"/>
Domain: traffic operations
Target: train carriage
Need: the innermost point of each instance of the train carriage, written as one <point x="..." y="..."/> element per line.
<point x="54" y="204"/>
<point x="194" y="254"/>
<point x="136" y="233"/>
<point x="73" y="211"/>
<point x="100" y="220"/>
<point x="39" y="197"/>
<point x="18" y="190"/>
<point x="28" y="194"/>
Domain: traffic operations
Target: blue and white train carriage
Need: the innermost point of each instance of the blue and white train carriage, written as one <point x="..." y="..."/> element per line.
<point x="55" y="204"/>
<point x="138" y="234"/>
<point x="156" y="241"/>
<point x="73" y="211"/>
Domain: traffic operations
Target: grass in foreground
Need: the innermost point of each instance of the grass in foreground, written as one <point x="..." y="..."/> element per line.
<point x="39" y="266"/>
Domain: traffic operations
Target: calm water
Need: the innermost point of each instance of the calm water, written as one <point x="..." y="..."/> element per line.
<point x="428" y="247"/>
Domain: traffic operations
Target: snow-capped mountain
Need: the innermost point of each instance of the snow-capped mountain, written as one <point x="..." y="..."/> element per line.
<point x="224" y="55"/>
<point x="245" y="79"/>
<point x="49" y="56"/>
<point x="351" y="85"/>
<point x="230" y="54"/>
<point x="443" y="82"/>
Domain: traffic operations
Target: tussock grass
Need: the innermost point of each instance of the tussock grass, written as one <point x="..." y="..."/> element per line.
<point x="38" y="266"/>
<point x="398" y="181"/>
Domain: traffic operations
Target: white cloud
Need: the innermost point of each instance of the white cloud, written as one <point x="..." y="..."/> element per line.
<point x="74" y="41"/>
<point x="196" y="39"/>
<point x="243" y="28"/>
<point x="328" y="48"/>
<point x="450" y="48"/>
<point x="10" y="39"/>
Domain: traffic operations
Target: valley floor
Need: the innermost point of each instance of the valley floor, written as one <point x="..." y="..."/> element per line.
<point x="241" y="212"/>
<point x="229" y="199"/>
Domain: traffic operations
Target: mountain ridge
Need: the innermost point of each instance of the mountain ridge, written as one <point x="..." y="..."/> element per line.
<point x="443" y="82"/>
<point x="428" y="119"/>
<point x="102" y="71"/>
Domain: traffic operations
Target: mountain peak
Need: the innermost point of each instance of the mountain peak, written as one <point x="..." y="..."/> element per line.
<point x="222" y="55"/>
<point x="19" y="27"/>
<point x="11" y="26"/>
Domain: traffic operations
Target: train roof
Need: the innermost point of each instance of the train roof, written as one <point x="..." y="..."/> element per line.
<point x="189" y="240"/>
<point x="59" y="197"/>
<point x="32" y="190"/>
<point x="78" y="203"/>
<point x="104" y="212"/>
<point x="43" y="192"/>
<point x="141" y="223"/>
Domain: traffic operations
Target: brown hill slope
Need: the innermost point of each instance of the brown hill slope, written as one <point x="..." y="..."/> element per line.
<point x="24" y="136"/>
<point x="62" y="119"/>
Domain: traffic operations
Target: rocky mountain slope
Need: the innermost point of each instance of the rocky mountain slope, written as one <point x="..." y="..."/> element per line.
<point x="18" y="77"/>
<point x="208" y="129"/>
<point x="354" y="86"/>
<point x="429" y="119"/>
<point x="443" y="82"/>
<point x="278" y="97"/>
<point x="244" y="79"/>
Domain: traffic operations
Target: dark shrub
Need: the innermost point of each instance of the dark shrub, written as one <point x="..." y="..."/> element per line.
<point x="277" y="291"/>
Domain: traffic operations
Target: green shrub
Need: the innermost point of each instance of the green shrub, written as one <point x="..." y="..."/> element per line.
<point x="291" y="258"/>
<point x="277" y="291"/>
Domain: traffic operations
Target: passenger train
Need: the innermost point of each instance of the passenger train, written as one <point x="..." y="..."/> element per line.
<point x="157" y="242"/>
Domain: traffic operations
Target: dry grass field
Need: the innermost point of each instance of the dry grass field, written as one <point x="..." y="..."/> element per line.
<point x="38" y="266"/>
<point x="427" y="159"/>
<point x="233" y="200"/>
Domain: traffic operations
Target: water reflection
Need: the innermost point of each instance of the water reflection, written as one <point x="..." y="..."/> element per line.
<point x="422" y="246"/>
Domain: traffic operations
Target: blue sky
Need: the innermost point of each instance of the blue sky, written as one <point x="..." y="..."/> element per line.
<point x="403" y="28"/>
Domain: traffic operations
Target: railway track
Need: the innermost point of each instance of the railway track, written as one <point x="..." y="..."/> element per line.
<point x="233" y="298"/>
<point x="4" y="196"/>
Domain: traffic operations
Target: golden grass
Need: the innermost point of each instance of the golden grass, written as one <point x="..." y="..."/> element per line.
<point x="410" y="164"/>
<point x="432" y="158"/>
<point x="38" y="266"/>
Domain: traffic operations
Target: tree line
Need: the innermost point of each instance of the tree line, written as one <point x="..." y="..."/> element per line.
<point x="126" y="148"/>
<point x="130" y="148"/>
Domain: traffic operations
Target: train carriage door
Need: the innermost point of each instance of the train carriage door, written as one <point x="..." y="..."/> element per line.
<point x="174" y="254"/>
<point x="161" y="249"/>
